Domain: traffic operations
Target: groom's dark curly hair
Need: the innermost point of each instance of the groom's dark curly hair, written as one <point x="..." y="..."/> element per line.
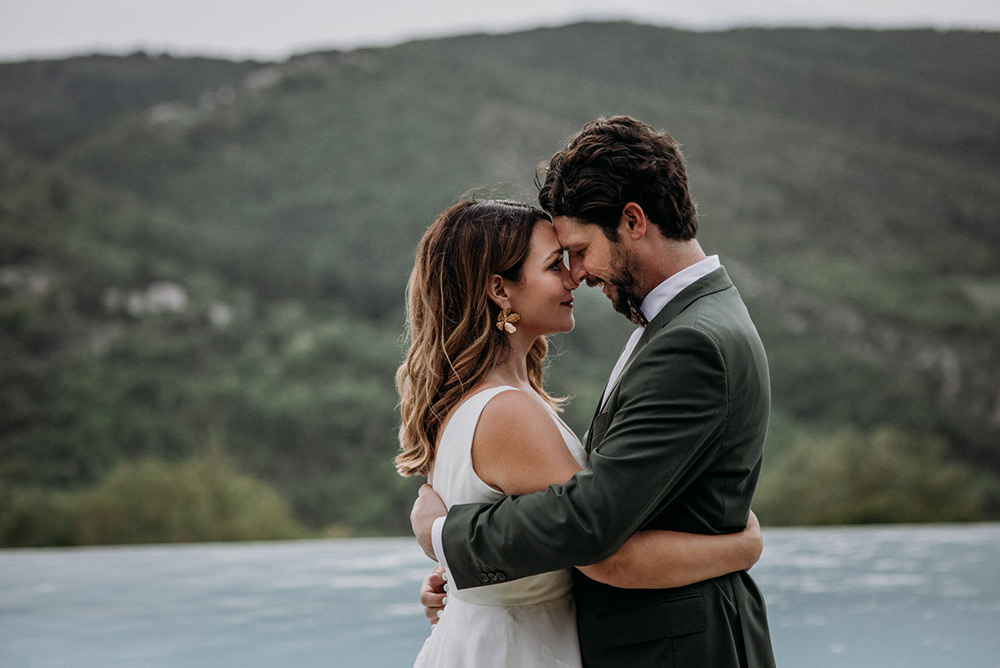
<point x="615" y="161"/>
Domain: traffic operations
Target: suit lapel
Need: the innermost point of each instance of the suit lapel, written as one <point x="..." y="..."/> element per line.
<point x="711" y="283"/>
<point x="714" y="282"/>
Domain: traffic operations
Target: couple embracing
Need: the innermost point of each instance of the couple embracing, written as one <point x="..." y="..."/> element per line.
<point x="630" y="549"/>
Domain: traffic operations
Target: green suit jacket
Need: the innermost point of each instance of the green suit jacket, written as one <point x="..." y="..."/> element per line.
<point x="677" y="445"/>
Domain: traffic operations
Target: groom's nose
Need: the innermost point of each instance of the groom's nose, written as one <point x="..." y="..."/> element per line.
<point x="570" y="282"/>
<point x="576" y="270"/>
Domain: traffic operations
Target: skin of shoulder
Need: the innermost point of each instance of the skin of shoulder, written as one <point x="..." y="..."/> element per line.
<point x="517" y="447"/>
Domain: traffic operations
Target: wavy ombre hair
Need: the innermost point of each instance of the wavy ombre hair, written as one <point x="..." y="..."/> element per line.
<point x="454" y="342"/>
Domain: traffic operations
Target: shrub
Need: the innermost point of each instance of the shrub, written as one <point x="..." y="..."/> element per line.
<point x="35" y="517"/>
<point x="885" y="476"/>
<point x="200" y="499"/>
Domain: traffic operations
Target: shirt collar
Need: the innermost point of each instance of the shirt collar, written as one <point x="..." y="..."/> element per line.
<point x="661" y="295"/>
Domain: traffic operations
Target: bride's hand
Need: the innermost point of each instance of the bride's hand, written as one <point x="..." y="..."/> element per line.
<point x="753" y="541"/>
<point x="433" y="594"/>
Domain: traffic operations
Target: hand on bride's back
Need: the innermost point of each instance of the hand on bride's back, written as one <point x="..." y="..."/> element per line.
<point x="427" y="508"/>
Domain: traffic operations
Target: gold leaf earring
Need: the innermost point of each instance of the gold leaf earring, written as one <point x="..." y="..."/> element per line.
<point x="506" y="320"/>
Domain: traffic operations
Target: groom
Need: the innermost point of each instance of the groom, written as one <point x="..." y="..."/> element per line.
<point x="676" y="442"/>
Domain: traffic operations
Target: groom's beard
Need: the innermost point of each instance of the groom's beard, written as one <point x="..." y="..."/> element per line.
<point x="622" y="284"/>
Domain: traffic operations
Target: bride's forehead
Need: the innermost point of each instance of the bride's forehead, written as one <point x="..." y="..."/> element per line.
<point x="543" y="238"/>
<point x="543" y="230"/>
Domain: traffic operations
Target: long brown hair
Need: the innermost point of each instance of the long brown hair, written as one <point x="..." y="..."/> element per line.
<point x="453" y="341"/>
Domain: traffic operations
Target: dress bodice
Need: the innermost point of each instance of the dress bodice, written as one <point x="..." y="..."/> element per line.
<point x="455" y="481"/>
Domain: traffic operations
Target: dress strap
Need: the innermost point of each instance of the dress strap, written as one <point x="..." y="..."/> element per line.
<point x="454" y="449"/>
<point x="474" y="405"/>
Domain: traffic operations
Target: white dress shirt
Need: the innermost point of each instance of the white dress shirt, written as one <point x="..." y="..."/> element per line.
<point x="651" y="306"/>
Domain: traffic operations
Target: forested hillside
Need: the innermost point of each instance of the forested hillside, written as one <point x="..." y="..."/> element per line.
<point x="202" y="265"/>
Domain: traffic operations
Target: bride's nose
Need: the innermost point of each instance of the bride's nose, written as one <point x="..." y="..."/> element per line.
<point x="569" y="281"/>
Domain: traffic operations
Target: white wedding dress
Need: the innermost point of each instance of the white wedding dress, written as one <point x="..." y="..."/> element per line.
<point x="520" y="624"/>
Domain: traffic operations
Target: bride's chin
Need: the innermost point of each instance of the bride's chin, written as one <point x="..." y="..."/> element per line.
<point x="568" y="327"/>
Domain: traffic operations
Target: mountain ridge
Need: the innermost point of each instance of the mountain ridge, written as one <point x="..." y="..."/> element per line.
<point x="844" y="177"/>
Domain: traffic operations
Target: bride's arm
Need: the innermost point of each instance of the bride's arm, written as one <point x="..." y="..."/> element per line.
<point x="518" y="449"/>
<point x="664" y="559"/>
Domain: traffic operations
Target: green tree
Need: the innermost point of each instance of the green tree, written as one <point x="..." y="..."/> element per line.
<point x="879" y="477"/>
<point x="200" y="499"/>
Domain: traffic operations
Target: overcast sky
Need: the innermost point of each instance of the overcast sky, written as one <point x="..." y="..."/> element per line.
<point x="273" y="30"/>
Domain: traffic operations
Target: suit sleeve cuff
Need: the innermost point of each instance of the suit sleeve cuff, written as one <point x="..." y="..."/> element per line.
<point x="437" y="529"/>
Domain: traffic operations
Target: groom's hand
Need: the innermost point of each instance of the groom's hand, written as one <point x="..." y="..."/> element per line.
<point x="427" y="508"/>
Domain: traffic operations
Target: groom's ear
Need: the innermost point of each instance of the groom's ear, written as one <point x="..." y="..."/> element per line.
<point x="497" y="292"/>
<point x="633" y="221"/>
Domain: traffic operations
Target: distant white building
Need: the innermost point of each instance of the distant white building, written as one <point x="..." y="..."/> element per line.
<point x="158" y="297"/>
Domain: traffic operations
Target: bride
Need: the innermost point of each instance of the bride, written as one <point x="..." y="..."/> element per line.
<point x="489" y="283"/>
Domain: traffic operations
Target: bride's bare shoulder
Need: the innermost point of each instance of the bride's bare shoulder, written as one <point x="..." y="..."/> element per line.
<point x="517" y="446"/>
<point x="516" y="407"/>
